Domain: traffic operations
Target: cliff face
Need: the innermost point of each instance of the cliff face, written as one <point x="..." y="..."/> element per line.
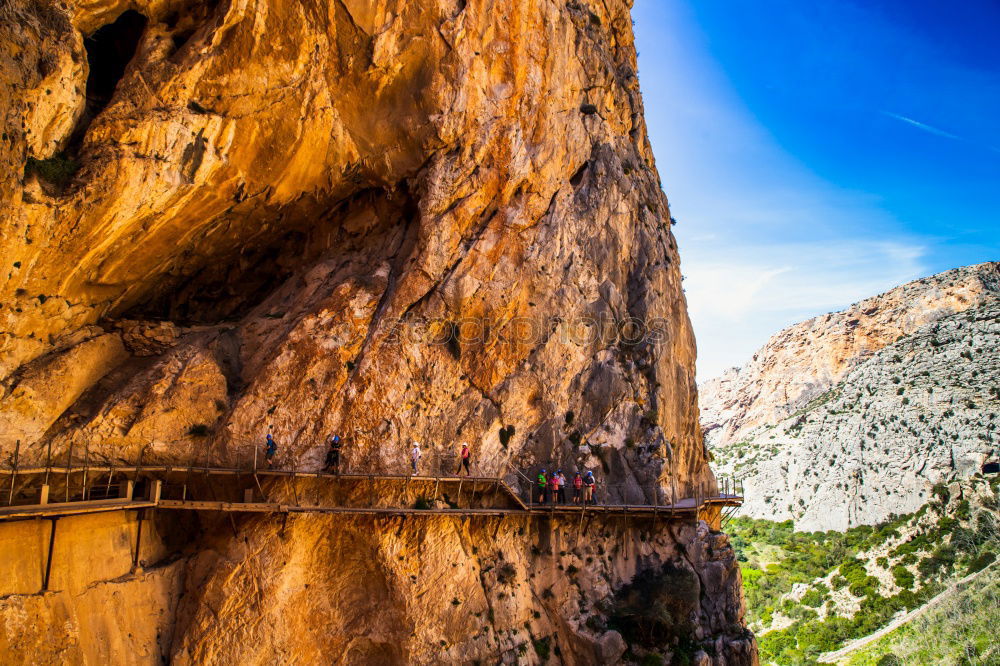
<point x="917" y="407"/>
<point x="310" y="195"/>
<point x="804" y="361"/>
<point x="395" y="221"/>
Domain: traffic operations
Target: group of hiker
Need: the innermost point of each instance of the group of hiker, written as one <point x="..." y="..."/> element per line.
<point x="552" y="487"/>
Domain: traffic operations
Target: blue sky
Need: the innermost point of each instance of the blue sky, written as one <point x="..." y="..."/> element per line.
<point x="816" y="153"/>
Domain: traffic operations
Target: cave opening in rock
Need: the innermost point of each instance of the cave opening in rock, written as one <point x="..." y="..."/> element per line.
<point x="110" y="48"/>
<point x="211" y="282"/>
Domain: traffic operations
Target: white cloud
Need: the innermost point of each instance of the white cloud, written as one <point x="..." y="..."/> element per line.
<point x="738" y="296"/>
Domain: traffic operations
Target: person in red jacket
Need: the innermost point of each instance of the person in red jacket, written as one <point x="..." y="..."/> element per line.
<point x="464" y="460"/>
<point x="577" y="487"/>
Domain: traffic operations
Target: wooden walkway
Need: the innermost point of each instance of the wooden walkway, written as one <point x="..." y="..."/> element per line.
<point x="25" y="494"/>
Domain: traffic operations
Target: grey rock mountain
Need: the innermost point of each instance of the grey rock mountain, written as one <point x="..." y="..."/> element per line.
<point x="884" y="400"/>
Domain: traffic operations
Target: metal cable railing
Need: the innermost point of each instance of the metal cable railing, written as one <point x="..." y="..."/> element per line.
<point x="84" y="478"/>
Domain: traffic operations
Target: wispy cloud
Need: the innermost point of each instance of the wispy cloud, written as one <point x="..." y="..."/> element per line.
<point x="924" y="126"/>
<point x="740" y="296"/>
<point x="937" y="131"/>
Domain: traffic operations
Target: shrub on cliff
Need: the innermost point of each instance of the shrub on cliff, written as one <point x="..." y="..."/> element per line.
<point x="657" y="606"/>
<point x="58" y="169"/>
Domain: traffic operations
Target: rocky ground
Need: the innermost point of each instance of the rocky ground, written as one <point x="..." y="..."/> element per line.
<point x="396" y="221"/>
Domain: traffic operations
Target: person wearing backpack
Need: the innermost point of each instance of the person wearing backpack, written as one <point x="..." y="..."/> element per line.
<point x="553" y="486"/>
<point x="463" y="460"/>
<point x="589" y="483"/>
<point x="333" y="456"/>
<point x="270" y="448"/>
<point x="543" y="483"/>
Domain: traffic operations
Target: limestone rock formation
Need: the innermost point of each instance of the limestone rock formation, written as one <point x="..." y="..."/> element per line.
<point x="806" y="360"/>
<point x="866" y="436"/>
<point x="394" y="220"/>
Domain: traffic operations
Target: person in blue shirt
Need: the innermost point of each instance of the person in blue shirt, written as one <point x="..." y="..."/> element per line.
<point x="270" y="448"/>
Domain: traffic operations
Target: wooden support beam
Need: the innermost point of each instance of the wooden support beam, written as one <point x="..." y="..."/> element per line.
<point x="48" y="560"/>
<point x="138" y="540"/>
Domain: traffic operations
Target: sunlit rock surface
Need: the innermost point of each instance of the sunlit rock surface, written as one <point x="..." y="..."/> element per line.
<point x="396" y="221"/>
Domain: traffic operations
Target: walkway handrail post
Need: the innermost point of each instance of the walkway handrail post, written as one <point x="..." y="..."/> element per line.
<point x="86" y="466"/>
<point x="48" y="462"/>
<point x="69" y="465"/>
<point x="138" y="466"/>
<point x="255" y="459"/>
<point x="531" y="488"/>
<point x="13" y="476"/>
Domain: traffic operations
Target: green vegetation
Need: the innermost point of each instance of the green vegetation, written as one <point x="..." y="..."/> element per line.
<point x="820" y="588"/>
<point x="58" y="169"/>
<point x="506" y="434"/>
<point x="656" y="607"/>
<point x="959" y="630"/>
<point x="542" y="648"/>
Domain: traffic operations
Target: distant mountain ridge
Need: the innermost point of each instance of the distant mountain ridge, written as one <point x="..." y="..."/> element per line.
<point x="851" y="417"/>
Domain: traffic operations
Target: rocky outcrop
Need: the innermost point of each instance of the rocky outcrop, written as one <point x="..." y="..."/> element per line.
<point x="921" y="410"/>
<point x="362" y="591"/>
<point x="806" y="360"/>
<point x="396" y="221"/>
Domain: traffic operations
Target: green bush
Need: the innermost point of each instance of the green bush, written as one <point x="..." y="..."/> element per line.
<point x="981" y="561"/>
<point x="58" y="169"/>
<point x="813" y="598"/>
<point x="655" y="608"/>
<point x="542" y="647"/>
<point x="506" y="434"/>
<point x="506" y="573"/>
<point x="903" y="577"/>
